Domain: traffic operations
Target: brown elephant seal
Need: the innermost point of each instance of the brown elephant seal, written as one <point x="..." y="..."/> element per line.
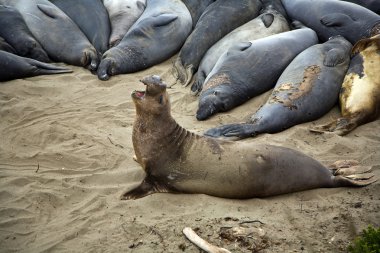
<point x="360" y="94"/>
<point x="176" y="160"/>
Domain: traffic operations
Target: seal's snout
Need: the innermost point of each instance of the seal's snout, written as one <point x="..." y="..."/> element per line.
<point x="91" y="59"/>
<point x="104" y="70"/>
<point x="154" y="81"/>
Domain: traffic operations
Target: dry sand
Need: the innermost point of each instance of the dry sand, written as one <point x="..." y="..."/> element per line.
<point x="66" y="157"/>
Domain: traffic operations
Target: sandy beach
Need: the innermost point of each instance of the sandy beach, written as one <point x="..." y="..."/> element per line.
<point x="66" y="158"/>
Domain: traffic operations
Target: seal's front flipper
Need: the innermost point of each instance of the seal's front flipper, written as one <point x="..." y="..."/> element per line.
<point x="239" y="131"/>
<point x="267" y="19"/>
<point x="335" y="19"/>
<point x="50" y="11"/>
<point x="334" y="57"/>
<point x="146" y="188"/>
<point x="41" y="68"/>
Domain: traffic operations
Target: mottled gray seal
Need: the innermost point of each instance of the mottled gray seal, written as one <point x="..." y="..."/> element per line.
<point x="217" y="20"/>
<point x="332" y="17"/>
<point x="123" y="14"/>
<point x="315" y="75"/>
<point x="13" y="67"/>
<point x="157" y="35"/>
<point x="176" y="160"/>
<point x="91" y="17"/>
<point x="360" y="94"/>
<point x="269" y="22"/>
<point x="59" y="36"/>
<point x="249" y="69"/>
<point x="16" y="33"/>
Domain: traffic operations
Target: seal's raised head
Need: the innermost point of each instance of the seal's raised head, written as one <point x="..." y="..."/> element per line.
<point x="154" y="100"/>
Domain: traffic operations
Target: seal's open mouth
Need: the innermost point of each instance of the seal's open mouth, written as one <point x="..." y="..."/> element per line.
<point x="138" y="94"/>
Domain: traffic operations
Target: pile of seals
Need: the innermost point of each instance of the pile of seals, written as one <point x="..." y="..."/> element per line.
<point x="230" y="51"/>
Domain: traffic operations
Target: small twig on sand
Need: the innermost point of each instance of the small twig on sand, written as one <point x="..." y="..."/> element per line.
<point x="202" y="244"/>
<point x="38" y="167"/>
<point x="251" y="221"/>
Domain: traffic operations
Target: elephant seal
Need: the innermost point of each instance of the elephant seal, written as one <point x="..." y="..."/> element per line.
<point x="196" y="8"/>
<point x="332" y="17"/>
<point x="360" y="94"/>
<point x="248" y="69"/>
<point x="91" y="17"/>
<point x="17" y="34"/>
<point x="56" y="32"/>
<point x="270" y="22"/>
<point x="219" y="18"/>
<point x="13" y="67"/>
<point x="157" y="35"/>
<point x="123" y="14"/>
<point x="315" y="75"/>
<point x="178" y="161"/>
<point x="4" y="46"/>
<point x="372" y="5"/>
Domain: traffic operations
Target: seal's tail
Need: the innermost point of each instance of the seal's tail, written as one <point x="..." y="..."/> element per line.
<point x="350" y="173"/>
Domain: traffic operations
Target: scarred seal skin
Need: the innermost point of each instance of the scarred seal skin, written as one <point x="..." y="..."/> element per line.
<point x="332" y="17"/>
<point x="91" y="17"/>
<point x="360" y="94"/>
<point x="59" y="36"/>
<point x="123" y="14"/>
<point x="315" y="75"/>
<point x="269" y="22"/>
<point x="16" y="33"/>
<point x="249" y="69"/>
<point x="13" y="67"/>
<point x="219" y="18"/>
<point x="176" y="160"/>
<point x="157" y="35"/>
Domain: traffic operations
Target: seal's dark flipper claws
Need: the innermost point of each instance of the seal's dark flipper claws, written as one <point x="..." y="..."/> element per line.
<point x="144" y="189"/>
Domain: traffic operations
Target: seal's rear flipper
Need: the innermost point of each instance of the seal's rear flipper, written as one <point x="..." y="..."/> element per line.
<point x="358" y="180"/>
<point x="341" y="126"/>
<point x="202" y="244"/>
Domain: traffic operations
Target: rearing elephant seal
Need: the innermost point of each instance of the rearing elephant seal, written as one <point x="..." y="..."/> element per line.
<point x="360" y="94"/>
<point x="176" y="160"/>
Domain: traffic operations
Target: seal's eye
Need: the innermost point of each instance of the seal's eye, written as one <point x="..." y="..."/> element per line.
<point x="160" y="100"/>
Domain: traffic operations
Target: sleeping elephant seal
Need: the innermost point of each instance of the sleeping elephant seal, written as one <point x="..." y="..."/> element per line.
<point x="248" y="69"/>
<point x="217" y="20"/>
<point x="176" y="160"/>
<point x="13" y="67"/>
<point x="16" y="33"/>
<point x="91" y="17"/>
<point x="4" y="46"/>
<point x="332" y="17"/>
<point x="157" y="35"/>
<point x="360" y="94"/>
<point x="56" y="32"/>
<point x="270" y="22"/>
<point x="123" y="14"/>
<point x="373" y="5"/>
<point x="196" y="8"/>
<point x="315" y="75"/>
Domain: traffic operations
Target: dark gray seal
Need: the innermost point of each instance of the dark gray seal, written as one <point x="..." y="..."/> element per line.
<point x="157" y="35"/>
<point x="373" y="5"/>
<point x="13" y="67"/>
<point x="332" y="17"/>
<point x="178" y="161"/>
<point x="306" y="90"/>
<point x="59" y="36"/>
<point x="196" y="8"/>
<point x="219" y="18"/>
<point x="360" y="94"/>
<point x="16" y="33"/>
<point x="269" y="22"/>
<point x="91" y="17"/>
<point x="249" y="69"/>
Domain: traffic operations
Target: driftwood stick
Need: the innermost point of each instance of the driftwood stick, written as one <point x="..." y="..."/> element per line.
<point x="202" y="244"/>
